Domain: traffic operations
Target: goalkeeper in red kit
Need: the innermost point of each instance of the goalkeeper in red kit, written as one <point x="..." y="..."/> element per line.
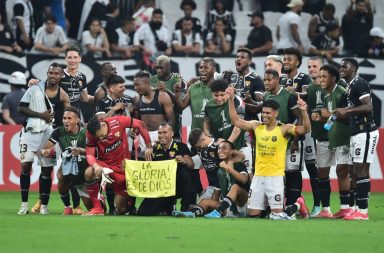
<point x="108" y="139"/>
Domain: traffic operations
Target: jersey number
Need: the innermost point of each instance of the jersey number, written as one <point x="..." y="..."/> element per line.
<point x="23" y="148"/>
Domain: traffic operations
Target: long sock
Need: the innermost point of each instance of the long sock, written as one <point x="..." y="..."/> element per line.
<point x="363" y="187"/>
<point x="25" y="182"/>
<point x="198" y="210"/>
<point x="45" y="183"/>
<point x="93" y="192"/>
<point x="75" y="196"/>
<point x="294" y="185"/>
<point x="65" y="199"/>
<point x="314" y="179"/>
<point x="227" y="202"/>
<point x="352" y="196"/>
<point x="344" y="198"/>
<point x="110" y="198"/>
<point x="290" y="210"/>
<point x="325" y="191"/>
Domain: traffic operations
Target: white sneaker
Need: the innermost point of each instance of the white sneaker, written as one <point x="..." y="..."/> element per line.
<point x="44" y="209"/>
<point x="281" y="216"/>
<point x="23" y="209"/>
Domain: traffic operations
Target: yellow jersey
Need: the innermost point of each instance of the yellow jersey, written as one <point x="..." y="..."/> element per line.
<point x="271" y="147"/>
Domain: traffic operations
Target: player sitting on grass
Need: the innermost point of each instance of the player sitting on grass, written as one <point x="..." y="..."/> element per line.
<point x="235" y="172"/>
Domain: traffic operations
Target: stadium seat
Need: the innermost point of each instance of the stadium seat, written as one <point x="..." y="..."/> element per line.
<point x="241" y="36"/>
<point x="305" y="18"/>
<point x="378" y="7"/>
<point x="378" y="21"/>
<point x="271" y="19"/>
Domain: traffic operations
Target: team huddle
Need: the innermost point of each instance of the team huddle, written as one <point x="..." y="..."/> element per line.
<point x="249" y="141"/>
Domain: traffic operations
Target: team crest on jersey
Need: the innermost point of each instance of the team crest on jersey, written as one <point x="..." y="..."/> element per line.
<point x="80" y="83"/>
<point x="265" y="138"/>
<point x="247" y="83"/>
<point x="117" y="134"/>
<point x="172" y="154"/>
<point x="212" y="154"/>
<point x="295" y="85"/>
<point x="274" y="138"/>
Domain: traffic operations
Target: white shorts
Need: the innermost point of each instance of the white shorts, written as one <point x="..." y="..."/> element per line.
<point x="270" y="188"/>
<point x="154" y="138"/>
<point x="363" y="146"/>
<point x="325" y="157"/>
<point x="294" y="161"/>
<point x="207" y="193"/>
<point x="309" y="147"/>
<point x="343" y="155"/>
<point x="248" y="161"/>
<point x="32" y="143"/>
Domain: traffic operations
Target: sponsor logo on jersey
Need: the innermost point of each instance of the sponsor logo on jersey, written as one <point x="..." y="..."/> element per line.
<point x="113" y="146"/>
<point x="172" y="154"/>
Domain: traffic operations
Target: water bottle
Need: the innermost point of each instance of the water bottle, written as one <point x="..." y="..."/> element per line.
<point x="330" y="121"/>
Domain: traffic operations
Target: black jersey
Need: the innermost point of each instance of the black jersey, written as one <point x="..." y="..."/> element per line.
<point x="58" y="109"/>
<point x="248" y="84"/>
<point x="154" y="107"/>
<point x="358" y="89"/>
<point x="208" y="156"/>
<point x="298" y="82"/>
<point x="104" y="105"/>
<point x="74" y="86"/>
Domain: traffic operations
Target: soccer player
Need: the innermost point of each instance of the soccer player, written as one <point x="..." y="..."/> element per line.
<point x="338" y="145"/>
<point x="107" y="138"/>
<point x="315" y="95"/>
<point x="271" y="145"/>
<point x="107" y="70"/>
<point x="71" y="139"/>
<point x="165" y="81"/>
<point x="151" y="106"/>
<point x="364" y="133"/>
<point x="38" y="109"/>
<point x="168" y="149"/>
<point x="115" y="102"/>
<point x="288" y="113"/>
<point x="198" y="93"/>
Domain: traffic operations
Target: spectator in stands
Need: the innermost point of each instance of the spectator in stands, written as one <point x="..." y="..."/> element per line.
<point x="144" y="13"/>
<point x="287" y="32"/>
<point x="186" y="40"/>
<point x="313" y="7"/>
<point x="188" y="6"/>
<point x="111" y="22"/>
<point x="50" y="38"/>
<point x="319" y="22"/>
<point x="94" y="41"/>
<point x="122" y="39"/>
<point x="11" y="101"/>
<point x="7" y="41"/>
<point x="260" y="38"/>
<point x="219" y="41"/>
<point x="355" y="26"/>
<point x="376" y="46"/>
<point x="23" y="23"/>
<point x="219" y="12"/>
<point x="327" y="44"/>
<point x="153" y="37"/>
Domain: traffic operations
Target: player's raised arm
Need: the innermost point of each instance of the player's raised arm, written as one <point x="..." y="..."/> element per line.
<point x="306" y="124"/>
<point x="235" y="119"/>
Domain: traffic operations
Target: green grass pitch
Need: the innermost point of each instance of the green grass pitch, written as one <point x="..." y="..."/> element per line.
<point x="58" y="233"/>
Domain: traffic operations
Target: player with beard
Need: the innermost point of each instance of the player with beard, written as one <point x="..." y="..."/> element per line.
<point x="364" y="133"/>
<point x="274" y="62"/>
<point x="151" y="106"/>
<point x="71" y="139"/>
<point x="107" y="70"/>
<point x="36" y="105"/>
<point x="324" y="155"/>
<point x="165" y="81"/>
<point x="297" y="82"/>
<point x="199" y="93"/>
<point x="108" y="139"/>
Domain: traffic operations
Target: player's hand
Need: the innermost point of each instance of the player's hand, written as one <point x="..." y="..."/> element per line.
<point x="119" y="106"/>
<point x="98" y="171"/>
<point x="47" y="116"/>
<point x="315" y="116"/>
<point x="341" y="112"/>
<point x="220" y="140"/>
<point x="230" y="92"/>
<point x="325" y="113"/>
<point x="290" y="88"/>
<point x="180" y="159"/>
<point x="301" y="103"/>
<point x="33" y="81"/>
<point x="75" y="151"/>
<point x="148" y="154"/>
